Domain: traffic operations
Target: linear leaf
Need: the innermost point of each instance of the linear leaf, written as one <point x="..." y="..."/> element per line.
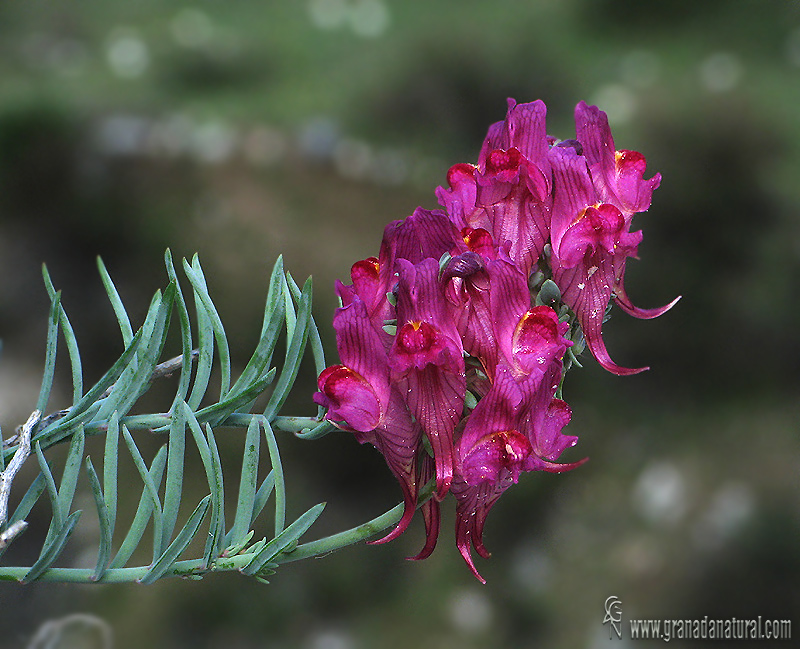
<point x="50" y="353"/>
<point x="280" y="485"/>
<point x="215" y="486"/>
<point x="216" y="534"/>
<point x="314" y="340"/>
<point x="263" y="494"/>
<point x="116" y="303"/>
<point x="70" y="341"/>
<point x="136" y="380"/>
<point x="126" y="387"/>
<point x="283" y="540"/>
<point x="291" y="314"/>
<point x="69" y="478"/>
<point x="195" y="275"/>
<point x="205" y="349"/>
<point x="87" y="406"/>
<point x="262" y="356"/>
<point x="247" y="484"/>
<point x="110" y="468"/>
<point x="200" y="441"/>
<point x="205" y="357"/>
<point x="150" y="489"/>
<point x="32" y="495"/>
<point x="57" y="521"/>
<point x="186" y="335"/>
<point x="143" y="512"/>
<point x="218" y="412"/>
<point x="176" y="548"/>
<point x="174" y="480"/>
<point x="106" y="532"/>
<point x="294" y="353"/>
<point x="52" y="551"/>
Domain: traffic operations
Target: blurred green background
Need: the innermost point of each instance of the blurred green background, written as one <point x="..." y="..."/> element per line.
<point x="242" y="130"/>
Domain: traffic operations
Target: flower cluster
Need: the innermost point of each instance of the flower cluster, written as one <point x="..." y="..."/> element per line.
<point x="453" y="340"/>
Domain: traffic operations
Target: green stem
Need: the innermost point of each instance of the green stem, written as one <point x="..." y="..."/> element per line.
<point x="194" y="567"/>
<point x="161" y="421"/>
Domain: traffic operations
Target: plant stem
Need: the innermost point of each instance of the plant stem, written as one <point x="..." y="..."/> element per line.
<point x="194" y="567"/>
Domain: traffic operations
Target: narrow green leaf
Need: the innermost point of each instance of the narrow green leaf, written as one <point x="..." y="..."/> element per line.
<point x="280" y="485"/>
<point x="110" y="468"/>
<point x="263" y="494"/>
<point x="247" y="484"/>
<point x="143" y="513"/>
<point x="106" y="532"/>
<point x="69" y="478"/>
<point x="205" y="354"/>
<point x="150" y="489"/>
<point x="136" y="379"/>
<point x="126" y="388"/>
<point x="186" y="335"/>
<point x="236" y="548"/>
<point x="294" y="354"/>
<point x="174" y="480"/>
<point x="87" y="406"/>
<point x="262" y="356"/>
<point x="57" y="521"/>
<point x="216" y="540"/>
<point x="314" y="340"/>
<point x="283" y="540"/>
<point x="271" y="327"/>
<point x="50" y="352"/>
<point x="275" y="293"/>
<point x="219" y="412"/>
<point x="195" y="276"/>
<point x="30" y="498"/>
<point x="53" y="549"/>
<point x="70" y="341"/>
<point x="116" y="303"/>
<point x="176" y="548"/>
<point x="214" y="484"/>
<point x="291" y="314"/>
<point x="199" y="440"/>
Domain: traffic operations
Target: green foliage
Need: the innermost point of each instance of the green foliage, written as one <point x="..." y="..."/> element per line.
<point x="106" y="409"/>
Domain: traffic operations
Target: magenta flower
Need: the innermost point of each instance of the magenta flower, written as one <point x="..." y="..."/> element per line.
<point x="448" y="366"/>
<point x="427" y="361"/>
<point x="360" y="398"/>
<point x="515" y="428"/>
<point x="508" y="192"/>
<point x="591" y="242"/>
<point x="468" y="278"/>
<point x="618" y="175"/>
